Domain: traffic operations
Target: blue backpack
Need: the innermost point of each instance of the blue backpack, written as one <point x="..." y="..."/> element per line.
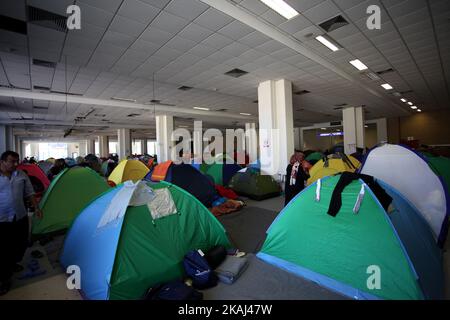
<point x="198" y="269"/>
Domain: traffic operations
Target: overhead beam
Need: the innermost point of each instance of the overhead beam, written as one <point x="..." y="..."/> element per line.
<point x="161" y="109"/>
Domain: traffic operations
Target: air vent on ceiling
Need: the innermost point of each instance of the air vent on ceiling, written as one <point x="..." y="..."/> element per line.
<point x="236" y="73"/>
<point x="41" y="88"/>
<point x="338" y="108"/>
<point x="372" y="76"/>
<point x="184" y="88"/>
<point x="406" y="92"/>
<point x="156" y="101"/>
<point x="47" y="19"/>
<point x="40" y="108"/>
<point x="13" y="25"/>
<point x="301" y="92"/>
<point x="221" y="110"/>
<point x="133" y="115"/>
<point x="43" y="63"/>
<point x="333" y="23"/>
<point x="397" y="94"/>
<point x="385" y="71"/>
<point x="341" y="105"/>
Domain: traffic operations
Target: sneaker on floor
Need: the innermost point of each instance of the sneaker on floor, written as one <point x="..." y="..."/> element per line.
<point x="18" y="268"/>
<point x="4" y="287"/>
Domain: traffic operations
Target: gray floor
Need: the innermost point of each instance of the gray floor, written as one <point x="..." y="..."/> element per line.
<point x="262" y="281"/>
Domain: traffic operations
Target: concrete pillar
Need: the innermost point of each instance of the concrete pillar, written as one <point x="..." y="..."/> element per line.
<point x="6" y="139"/>
<point x="276" y="126"/>
<point x="3" y="139"/>
<point x="18" y="146"/>
<point x="251" y="144"/>
<point x="297" y="144"/>
<point x="197" y="137"/>
<point x="124" y="143"/>
<point x="144" y="146"/>
<point x="353" y="120"/>
<point x="382" y="131"/>
<point x="164" y="129"/>
<point x="90" y="146"/>
<point x="103" y="146"/>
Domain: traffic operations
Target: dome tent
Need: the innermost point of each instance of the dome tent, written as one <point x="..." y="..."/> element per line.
<point x="331" y="165"/>
<point x="188" y="178"/>
<point x="250" y="182"/>
<point x="411" y="175"/>
<point x="220" y="171"/>
<point x="67" y="195"/>
<point x="336" y="252"/>
<point x="128" y="170"/>
<point x="125" y="253"/>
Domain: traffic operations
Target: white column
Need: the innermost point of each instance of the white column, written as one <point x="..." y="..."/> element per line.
<point x="197" y="137"/>
<point x="297" y="144"/>
<point x="144" y="146"/>
<point x="103" y="146"/>
<point x="276" y="126"/>
<point x="124" y="143"/>
<point x="251" y="144"/>
<point x="18" y="146"/>
<point x="90" y="146"/>
<point x="164" y="129"/>
<point x="2" y="139"/>
<point x="382" y="133"/>
<point x="353" y="120"/>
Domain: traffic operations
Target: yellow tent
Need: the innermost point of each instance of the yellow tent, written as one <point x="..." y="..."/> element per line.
<point x="334" y="164"/>
<point x="128" y="170"/>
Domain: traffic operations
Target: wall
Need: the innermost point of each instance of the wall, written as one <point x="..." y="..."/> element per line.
<point x="428" y="127"/>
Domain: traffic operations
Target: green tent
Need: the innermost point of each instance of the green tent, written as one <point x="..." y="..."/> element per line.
<point x="441" y="167"/>
<point x="67" y="195"/>
<point x="251" y="183"/>
<point x="135" y="251"/>
<point x="314" y="157"/>
<point x="220" y="171"/>
<point x="341" y="252"/>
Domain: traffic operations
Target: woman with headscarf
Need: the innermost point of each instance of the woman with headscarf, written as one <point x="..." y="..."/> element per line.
<point x="296" y="175"/>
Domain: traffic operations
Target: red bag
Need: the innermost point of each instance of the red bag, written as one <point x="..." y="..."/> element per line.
<point x="226" y="192"/>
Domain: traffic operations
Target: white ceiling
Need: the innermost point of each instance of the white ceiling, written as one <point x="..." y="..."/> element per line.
<point x="124" y="44"/>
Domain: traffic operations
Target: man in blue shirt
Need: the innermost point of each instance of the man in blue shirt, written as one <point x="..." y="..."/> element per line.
<point x="15" y="187"/>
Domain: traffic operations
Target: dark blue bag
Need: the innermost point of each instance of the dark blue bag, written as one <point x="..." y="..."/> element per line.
<point x="175" y="290"/>
<point x="198" y="269"/>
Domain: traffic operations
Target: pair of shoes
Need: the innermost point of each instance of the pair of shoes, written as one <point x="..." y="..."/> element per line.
<point x="4" y="287"/>
<point x="18" y="268"/>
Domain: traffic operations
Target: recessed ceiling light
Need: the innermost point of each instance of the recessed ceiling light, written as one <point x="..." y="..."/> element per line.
<point x="183" y="126"/>
<point x="245" y="114"/>
<point x="358" y="65"/>
<point x="281" y="7"/>
<point x="410" y="103"/>
<point x="403" y="100"/>
<point x="418" y="110"/>
<point x="201" y="108"/>
<point x="413" y="107"/>
<point x="387" y="86"/>
<point x="366" y="126"/>
<point x="323" y="128"/>
<point x="327" y="43"/>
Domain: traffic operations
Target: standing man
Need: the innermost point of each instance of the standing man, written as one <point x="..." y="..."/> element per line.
<point x="15" y="188"/>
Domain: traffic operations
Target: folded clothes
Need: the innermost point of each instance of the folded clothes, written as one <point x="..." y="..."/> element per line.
<point x="230" y="270"/>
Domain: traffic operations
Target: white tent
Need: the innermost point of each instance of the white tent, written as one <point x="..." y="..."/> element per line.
<point x="411" y="175"/>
